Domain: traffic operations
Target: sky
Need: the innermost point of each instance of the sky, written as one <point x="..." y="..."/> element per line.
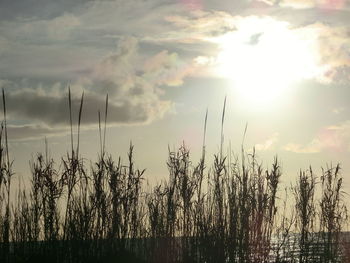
<point x="282" y="65"/>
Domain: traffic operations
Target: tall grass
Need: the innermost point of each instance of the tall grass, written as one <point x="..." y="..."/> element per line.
<point x="305" y="207"/>
<point x="333" y="212"/>
<point x="232" y="210"/>
<point x="5" y="182"/>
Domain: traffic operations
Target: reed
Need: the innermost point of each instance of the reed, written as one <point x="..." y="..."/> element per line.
<point x="230" y="210"/>
<point x="333" y="212"/>
<point x="305" y="207"/>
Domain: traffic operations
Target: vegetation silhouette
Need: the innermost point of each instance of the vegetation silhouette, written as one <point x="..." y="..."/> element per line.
<point x="230" y="211"/>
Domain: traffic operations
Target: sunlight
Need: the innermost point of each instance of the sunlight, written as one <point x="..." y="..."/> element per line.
<point x="263" y="58"/>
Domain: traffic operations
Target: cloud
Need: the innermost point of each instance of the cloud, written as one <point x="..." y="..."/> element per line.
<point x="268" y="144"/>
<point x="332" y="138"/>
<point x="68" y="44"/>
<point x="195" y="26"/>
<point x="30" y="132"/>
<point x="134" y="88"/>
<point x="127" y="72"/>
<point x="338" y="110"/>
<point x="292" y="3"/>
<point x="33" y="30"/>
<point x="43" y="9"/>
<point x="85" y="32"/>
<point x="314" y="146"/>
<point x="4" y="45"/>
<point x="331" y="48"/>
<point x="57" y="43"/>
<point x="334" y="49"/>
<point x="53" y="111"/>
<point x="328" y="45"/>
<point x="303" y="4"/>
<point x="61" y="27"/>
<point x="167" y="69"/>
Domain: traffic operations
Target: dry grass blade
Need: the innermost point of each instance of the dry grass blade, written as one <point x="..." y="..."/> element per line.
<point x="104" y="132"/>
<point x="6" y="175"/>
<point x="70" y="119"/>
<point x="100" y="132"/>
<point x="5" y="127"/>
<point x="222" y="127"/>
<point x="79" y="121"/>
<point x="204" y="135"/>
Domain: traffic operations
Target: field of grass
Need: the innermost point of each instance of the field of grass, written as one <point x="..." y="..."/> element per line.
<point x="231" y="210"/>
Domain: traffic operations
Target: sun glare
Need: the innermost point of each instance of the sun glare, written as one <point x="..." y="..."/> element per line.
<point x="263" y="58"/>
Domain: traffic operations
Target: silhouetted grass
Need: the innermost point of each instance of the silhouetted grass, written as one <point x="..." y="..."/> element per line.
<point x="232" y="210"/>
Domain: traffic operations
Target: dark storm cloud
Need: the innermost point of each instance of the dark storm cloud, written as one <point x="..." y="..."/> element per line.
<point x="54" y="111"/>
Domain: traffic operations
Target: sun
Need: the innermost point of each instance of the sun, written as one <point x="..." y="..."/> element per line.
<point x="263" y="58"/>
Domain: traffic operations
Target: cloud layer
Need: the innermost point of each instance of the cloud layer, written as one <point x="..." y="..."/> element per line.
<point x="334" y="138"/>
<point x="133" y="85"/>
<point x="269" y="144"/>
<point x="322" y="4"/>
<point x="159" y="44"/>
